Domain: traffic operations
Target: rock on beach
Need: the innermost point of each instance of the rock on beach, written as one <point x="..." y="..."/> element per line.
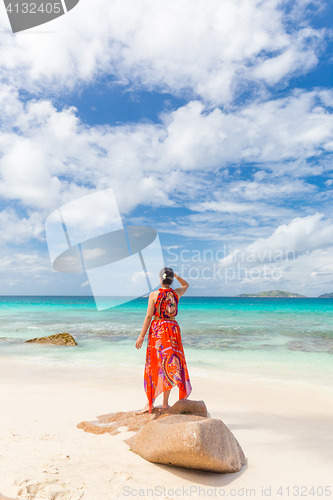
<point x="57" y="339"/>
<point x="110" y="423"/>
<point x="189" y="441"/>
<point x="183" y="435"/>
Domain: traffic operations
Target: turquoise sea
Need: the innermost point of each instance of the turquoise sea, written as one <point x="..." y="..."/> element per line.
<point x="288" y="341"/>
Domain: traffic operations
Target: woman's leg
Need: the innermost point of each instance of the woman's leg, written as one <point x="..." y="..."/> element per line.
<point x="144" y="410"/>
<point x="166" y="395"/>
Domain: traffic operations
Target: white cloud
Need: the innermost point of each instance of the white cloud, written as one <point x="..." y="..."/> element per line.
<point x="138" y="275"/>
<point x="302" y="235"/>
<point x="19" y="230"/>
<point x="211" y="50"/>
<point x="29" y="272"/>
<point x="25" y="264"/>
<point x="252" y="190"/>
<point x="244" y="192"/>
<point x="49" y="158"/>
<point x="93" y="253"/>
<point x="224" y="206"/>
<point x="294" y="57"/>
<point x="206" y="49"/>
<point x="296" y="127"/>
<point x="309" y="274"/>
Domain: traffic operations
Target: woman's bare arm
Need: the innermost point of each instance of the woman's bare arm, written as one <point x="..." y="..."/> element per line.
<point x="180" y="291"/>
<point x="147" y="320"/>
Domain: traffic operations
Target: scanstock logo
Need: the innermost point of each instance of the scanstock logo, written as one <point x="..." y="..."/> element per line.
<point x="87" y="235"/>
<point x="24" y="15"/>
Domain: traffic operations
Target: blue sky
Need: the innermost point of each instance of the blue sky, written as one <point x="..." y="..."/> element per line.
<point x="212" y="122"/>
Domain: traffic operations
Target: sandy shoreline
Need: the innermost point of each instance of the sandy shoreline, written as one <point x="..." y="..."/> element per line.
<point x="286" y="435"/>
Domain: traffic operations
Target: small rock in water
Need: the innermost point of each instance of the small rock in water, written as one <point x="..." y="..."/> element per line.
<point x="57" y="339"/>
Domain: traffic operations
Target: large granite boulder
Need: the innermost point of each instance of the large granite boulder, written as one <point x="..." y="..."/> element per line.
<point x="183" y="435"/>
<point x="189" y="441"/>
<point x="57" y="339"/>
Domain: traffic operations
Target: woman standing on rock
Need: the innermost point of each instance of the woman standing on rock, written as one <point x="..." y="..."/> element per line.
<point x="165" y="360"/>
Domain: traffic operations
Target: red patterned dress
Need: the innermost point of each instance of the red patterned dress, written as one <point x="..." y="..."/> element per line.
<point x="165" y="360"/>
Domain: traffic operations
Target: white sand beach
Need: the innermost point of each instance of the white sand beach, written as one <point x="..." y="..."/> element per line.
<point x="285" y="432"/>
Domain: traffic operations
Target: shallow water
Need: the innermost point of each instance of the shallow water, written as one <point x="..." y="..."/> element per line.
<point x="263" y="339"/>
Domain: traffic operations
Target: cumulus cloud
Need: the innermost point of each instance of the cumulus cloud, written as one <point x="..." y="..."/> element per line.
<point x="310" y="274"/>
<point x="244" y="191"/>
<point x="46" y="152"/>
<point x="28" y="271"/>
<point x="24" y="264"/>
<point x="209" y="49"/>
<point x="302" y="235"/>
<point x="208" y="52"/>
<point x="296" y="257"/>
<point x="50" y="158"/>
<point x="298" y="126"/>
<point x="17" y="229"/>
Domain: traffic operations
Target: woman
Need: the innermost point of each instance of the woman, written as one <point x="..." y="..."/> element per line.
<point x="165" y="361"/>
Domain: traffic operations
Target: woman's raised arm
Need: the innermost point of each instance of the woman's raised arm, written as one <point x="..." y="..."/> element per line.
<point x="180" y="291"/>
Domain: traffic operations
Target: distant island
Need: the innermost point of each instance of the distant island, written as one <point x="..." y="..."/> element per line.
<point x="326" y="296"/>
<point x="274" y="293"/>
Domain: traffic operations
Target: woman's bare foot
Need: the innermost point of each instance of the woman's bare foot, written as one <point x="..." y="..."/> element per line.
<point x="145" y="409"/>
<point x="166" y="395"/>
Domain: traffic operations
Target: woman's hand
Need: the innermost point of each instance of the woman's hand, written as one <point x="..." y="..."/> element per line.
<point x="139" y="342"/>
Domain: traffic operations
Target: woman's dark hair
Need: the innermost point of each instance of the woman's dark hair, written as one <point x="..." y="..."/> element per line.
<point x="166" y="275"/>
